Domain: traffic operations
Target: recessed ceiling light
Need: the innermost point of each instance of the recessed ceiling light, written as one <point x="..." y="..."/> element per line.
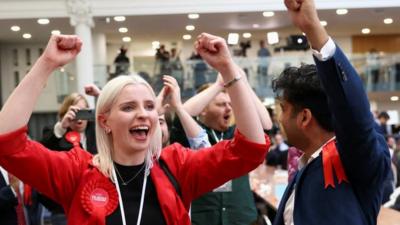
<point x="27" y="35"/>
<point x="273" y="38"/>
<point x="342" y="11"/>
<point x="155" y="44"/>
<point x="366" y="31"/>
<point x="108" y="20"/>
<point x="190" y="27"/>
<point x="246" y="35"/>
<point x="56" y="32"/>
<point x="233" y="38"/>
<point x="388" y="21"/>
<point x="187" y="37"/>
<point x="268" y="14"/>
<point x="193" y="16"/>
<point x="324" y="23"/>
<point x="256" y="25"/>
<point x="15" y="28"/>
<point x="123" y="29"/>
<point x="394" y="98"/>
<point x="43" y="21"/>
<point x="119" y="18"/>
<point x="126" y="39"/>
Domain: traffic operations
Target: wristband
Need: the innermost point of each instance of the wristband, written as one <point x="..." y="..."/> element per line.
<point x="231" y="82"/>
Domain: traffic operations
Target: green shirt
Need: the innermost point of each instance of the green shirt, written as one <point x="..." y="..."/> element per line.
<point x="234" y="207"/>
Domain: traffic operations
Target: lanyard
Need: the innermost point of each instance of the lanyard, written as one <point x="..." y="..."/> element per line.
<point x="141" y="198"/>
<point x="215" y="136"/>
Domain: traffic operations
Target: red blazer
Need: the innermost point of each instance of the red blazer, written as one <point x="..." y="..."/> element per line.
<point x="71" y="179"/>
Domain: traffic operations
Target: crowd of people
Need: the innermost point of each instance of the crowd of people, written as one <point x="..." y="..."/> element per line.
<point x="142" y="158"/>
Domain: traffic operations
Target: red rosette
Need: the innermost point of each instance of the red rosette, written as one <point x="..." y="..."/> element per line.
<point x="73" y="137"/>
<point x="99" y="199"/>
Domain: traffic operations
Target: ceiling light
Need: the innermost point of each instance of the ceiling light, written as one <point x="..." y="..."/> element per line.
<point x="56" y="32"/>
<point x="256" y="25"/>
<point x="233" y="38"/>
<point x="119" y="18"/>
<point x="247" y="35"/>
<point x="187" y="37"/>
<point x="193" y="16"/>
<point x="268" y="14"/>
<point x="366" y="31"/>
<point x="123" y="29"/>
<point x="108" y="20"/>
<point x="43" y="21"/>
<point x="27" y="36"/>
<point x="126" y="39"/>
<point x="324" y="23"/>
<point x="394" y="98"/>
<point x="15" y="28"/>
<point x="342" y="11"/>
<point x="155" y="44"/>
<point x="190" y="27"/>
<point x="273" y="38"/>
<point x="388" y="21"/>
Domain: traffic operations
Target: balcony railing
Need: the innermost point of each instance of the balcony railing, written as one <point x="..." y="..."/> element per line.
<point x="378" y="72"/>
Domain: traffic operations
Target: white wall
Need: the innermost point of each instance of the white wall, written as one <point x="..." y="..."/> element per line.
<point x="59" y="83"/>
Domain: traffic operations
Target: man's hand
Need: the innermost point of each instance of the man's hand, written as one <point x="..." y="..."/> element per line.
<point x="92" y="90"/>
<point x="61" y="49"/>
<point x="161" y="106"/>
<point x="304" y="16"/>
<point x="215" y="52"/>
<point x="174" y="92"/>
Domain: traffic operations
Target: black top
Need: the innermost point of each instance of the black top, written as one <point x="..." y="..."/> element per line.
<point x="131" y="193"/>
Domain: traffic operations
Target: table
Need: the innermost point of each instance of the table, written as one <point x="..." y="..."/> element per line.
<point x="264" y="178"/>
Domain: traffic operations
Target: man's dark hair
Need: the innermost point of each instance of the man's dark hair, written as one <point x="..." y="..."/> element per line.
<point x="384" y="115"/>
<point x="301" y="87"/>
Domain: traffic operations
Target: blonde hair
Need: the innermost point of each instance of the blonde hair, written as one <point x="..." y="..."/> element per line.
<point x="69" y="100"/>
<point x="103" y="160"/>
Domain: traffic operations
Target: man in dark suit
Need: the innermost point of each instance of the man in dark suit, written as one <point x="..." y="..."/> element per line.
<point x="8" y="199"/>
<point x="326" y="114"/>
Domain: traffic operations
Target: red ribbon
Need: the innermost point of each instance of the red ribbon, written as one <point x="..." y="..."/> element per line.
<point x="331" y="162"/>
<point x="27" y="195"/>
<point x="74" y="138"/>
<point x="99" y="198"/>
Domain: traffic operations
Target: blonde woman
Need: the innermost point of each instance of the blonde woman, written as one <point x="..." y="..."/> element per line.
<point x="124" y="183"/>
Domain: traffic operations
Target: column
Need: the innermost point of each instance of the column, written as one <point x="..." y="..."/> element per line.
<point x="80" y="13"/>
<point x="100" y="61"/>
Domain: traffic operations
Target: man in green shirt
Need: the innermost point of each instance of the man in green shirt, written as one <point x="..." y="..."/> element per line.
<point x="233" y="202"/>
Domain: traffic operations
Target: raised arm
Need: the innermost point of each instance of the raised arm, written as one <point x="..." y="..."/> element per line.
<point x="305" y="17"/>
<point x="262" y="111"/>
<point x="18" y="108"/>
<point x="214" y="51"/>
<point x="362" y="150"/>
<point x="191" y="127"/>
<point x="196" y="104"/>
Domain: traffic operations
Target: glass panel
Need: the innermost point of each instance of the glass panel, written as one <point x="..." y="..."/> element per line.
<point x="15" y="57"/>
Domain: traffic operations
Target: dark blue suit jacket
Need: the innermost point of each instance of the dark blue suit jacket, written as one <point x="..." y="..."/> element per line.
<point x="363" y="152"/>
<point x="8" y="202"/>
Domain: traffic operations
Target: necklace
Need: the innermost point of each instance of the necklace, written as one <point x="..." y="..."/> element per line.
<point x="139" y="219"/>
<point x="128" y="181"/>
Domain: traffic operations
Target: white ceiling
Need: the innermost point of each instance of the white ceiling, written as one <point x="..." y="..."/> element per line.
<point x="172" y="27"/>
